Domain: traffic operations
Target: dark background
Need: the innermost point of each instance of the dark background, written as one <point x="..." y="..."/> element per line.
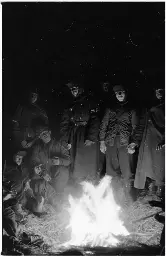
<point x="45" y="44"/>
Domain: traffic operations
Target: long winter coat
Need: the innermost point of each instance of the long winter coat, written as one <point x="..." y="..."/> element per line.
<point x="80" y="122"/>
<point x="151" y="162"/>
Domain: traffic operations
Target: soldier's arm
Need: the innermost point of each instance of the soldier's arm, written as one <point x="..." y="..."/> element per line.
<point x="93" y="124"/>
<point x="60" y="152"/>
<point x="138" y="125"/>
<point x="104" y="124"/>
<point x="65" y="126"/>
<point x="17" y="116"/>
<point x="65" y="159"/>
<point x="34" y="158"/>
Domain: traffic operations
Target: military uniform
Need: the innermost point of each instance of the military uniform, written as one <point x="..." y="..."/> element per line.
<point x="151" y="162"/>
<point x="116" y="131"/>
<point x="80" y="122"/>
<point x="24" y="122"/>
<point x="14" y="181"/>
<point x="42" y="154"/>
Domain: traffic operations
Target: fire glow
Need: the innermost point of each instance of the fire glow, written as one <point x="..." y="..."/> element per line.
<point x="94" y="218"/>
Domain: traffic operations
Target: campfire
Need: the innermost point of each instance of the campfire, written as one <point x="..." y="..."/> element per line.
<point x="95" y="217"/>
<point x="93" y="221"/>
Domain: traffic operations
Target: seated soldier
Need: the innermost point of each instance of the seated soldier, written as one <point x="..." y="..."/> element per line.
<point x="49" y="163"/>
<point x="16" y="177"/>
<point x="15" y="180"/>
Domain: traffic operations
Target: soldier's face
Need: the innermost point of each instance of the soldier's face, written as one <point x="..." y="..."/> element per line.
<point x="121" y="95"/>
<point x="18" y="159"/>
<point x="75" y="91"/>
<point x="159" y="94"/>
<point x="45" y="136"/>
<point x="34" y="97"/>
<point x="105" y="87"/>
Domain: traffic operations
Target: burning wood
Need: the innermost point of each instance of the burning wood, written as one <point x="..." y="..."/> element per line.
<point x="94" y="218"/>
<point x="99" y="211"/>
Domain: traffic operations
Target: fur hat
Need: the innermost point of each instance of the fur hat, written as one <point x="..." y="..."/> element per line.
<point x="71" y="85"/>
<point x="118" y="88"/>
<point x="40" y="129"/>
<point x="74" y="83"/>
<point x="19" y="153"/>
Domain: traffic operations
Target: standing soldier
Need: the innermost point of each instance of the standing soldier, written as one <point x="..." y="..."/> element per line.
<point x="151" y="159"/>
<point x="24" y="120"/>
<point x="116" y="132"/>
<point x="105" y="102"/>
<point x="79" y="129"/>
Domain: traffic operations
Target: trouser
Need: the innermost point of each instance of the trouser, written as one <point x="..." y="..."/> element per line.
<point x="118" y="161"/>
<point x="9" y="221"/>
<point x="60" y="179"/>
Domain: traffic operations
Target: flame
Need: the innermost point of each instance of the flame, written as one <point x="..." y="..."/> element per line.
<point x="94" y="218"/>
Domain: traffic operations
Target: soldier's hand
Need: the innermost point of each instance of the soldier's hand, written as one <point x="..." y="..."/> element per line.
<point x="69" y="146"/>
<point x="89" y="143"/>
<point x="55" y="161"/>
<point x="27" y="186"/>
<point x="24" y="144"/>
<point x="47" y="177"/>
<point x="160" y="146"/>
<point x="131" y="148"/>
<point x="7" y="197"/>
<point x="10" y="195"/>
<point x="103" y="147"/>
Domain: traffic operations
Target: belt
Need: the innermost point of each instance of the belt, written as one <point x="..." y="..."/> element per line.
<point x="80" y="123"/>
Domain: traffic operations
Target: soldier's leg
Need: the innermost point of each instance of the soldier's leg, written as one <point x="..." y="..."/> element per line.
<point x="112" y="162"/>
<point x="9" y="222"/>
<point x="61" y="180"/>
<point x="125" y="161"/>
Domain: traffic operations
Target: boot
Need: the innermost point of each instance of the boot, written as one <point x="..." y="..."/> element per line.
<point x="128" y="192"/>
<point x="151" y="189"/>
<point x="160" y="191"/>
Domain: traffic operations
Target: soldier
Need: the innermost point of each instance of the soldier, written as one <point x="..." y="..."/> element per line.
<point x="79" y="129"/>
<point x="151" y="158"/>
<point x="116" y="132"/>
<point x="49" y="163"/>
<point x="24" y="121"/>
<point x="15" y="182"/>
<point x="105" y="102"/>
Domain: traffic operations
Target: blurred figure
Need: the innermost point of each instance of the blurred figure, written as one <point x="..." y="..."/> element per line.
<point x="79" y="129"/>
<point x="49" y="164"/>
<point x="24" y="121"/>
<point x="116" y="133"/>
<point x="15" y="182"/>
<point x="105" y="102"/>
<point x="151" y="159"/>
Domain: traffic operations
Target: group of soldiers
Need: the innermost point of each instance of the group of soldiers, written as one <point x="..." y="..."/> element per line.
<point x="122" y="140"/>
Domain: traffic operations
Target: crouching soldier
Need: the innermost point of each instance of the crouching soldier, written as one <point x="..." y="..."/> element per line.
<point x="49" y="162"/>
<point x="15" y="180"/>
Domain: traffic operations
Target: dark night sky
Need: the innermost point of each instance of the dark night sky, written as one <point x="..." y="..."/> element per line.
<point x="45" y="44"/>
